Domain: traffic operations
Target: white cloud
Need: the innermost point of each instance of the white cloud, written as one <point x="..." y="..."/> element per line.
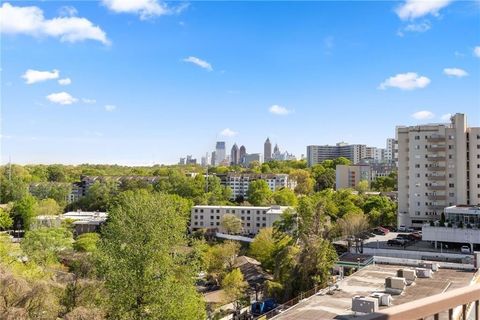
<point x="110" y="107"/>
<point x="88" y="101"/>
<point x="33" y="76"/>
<point x="405" y="81"/>
<point x="228" y="132"/>
<point x="62" y="98"/>
<point x="418" y="27"/>
<point x="476" y="51"/>
<point x="455" y="72"/>
<point x="423" y="115"/>
<point x="64" y="81"/>
<point x="67" y="11"/>
<point x="446" y="117"/>
<point x="144" y="8"/>
<point x="279" y="110"/>
<point x="30" y="21"/>
<point x="413" y="9"/>
<point x="199" y="62"/>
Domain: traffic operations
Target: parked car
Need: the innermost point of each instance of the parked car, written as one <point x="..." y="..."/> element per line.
<point x="402" y="229"/>
<point x="465" y="249"/>
<point x="396" y="242"/>
<point x="414" y="236"/>
<point x="402" y="236"/>
<point x="379" y="231"/>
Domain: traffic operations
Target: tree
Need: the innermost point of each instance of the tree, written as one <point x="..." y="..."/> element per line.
<point x="44" y="244"/>
<point x="259" y="193"/>
<point x="23" y="212"/>
<point x="146" y="274"/>
<point x="262" y="248"/>
<point x="231" y="224"/>
<point x="304" y="181"/>
<point x="353" y="223"/>
<point x="48" y="207"/>
<point x="220" y="258"/>
<point x="234" y="286"/>
<point x="362" y="186"/>
<point x="285" y="197"/>
<point x="6" y="221"/>
<point x="87" y="242"/>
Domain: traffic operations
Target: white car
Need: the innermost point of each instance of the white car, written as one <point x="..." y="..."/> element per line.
<point x="402" y="229"/>
<point x="465" y="249"/>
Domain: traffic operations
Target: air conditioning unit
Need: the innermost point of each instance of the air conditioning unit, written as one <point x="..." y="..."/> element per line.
<point x="395" y="285"/>
<point x="364" y="304"/>
<point x="429" y="265"/>
<point x="384" y="299"/>
<point x="423" y="272"/>
<point x="408" y="274"/>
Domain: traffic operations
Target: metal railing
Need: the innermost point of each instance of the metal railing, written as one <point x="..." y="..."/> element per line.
<point x="457" y="304"/>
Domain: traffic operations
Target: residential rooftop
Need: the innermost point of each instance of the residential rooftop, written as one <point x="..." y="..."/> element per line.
<point x="367" y="281"/>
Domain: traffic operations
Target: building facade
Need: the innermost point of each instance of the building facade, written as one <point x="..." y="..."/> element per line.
<point x="220" y="153"/>
<point x="267" y="150"/>
<point x="353" y="152"/>
<point x="253" y="218"/>
<point x="438" y="166"/>
<point x="235" y="155"/>
<point x="240" y="182"/>
<point x="350" y="176"/>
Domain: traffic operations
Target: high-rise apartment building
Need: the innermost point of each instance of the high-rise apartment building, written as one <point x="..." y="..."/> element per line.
<point x="220" y="153"/>
<point x="267" y="150"/>
<point x="391" y="150"/>
<point x="235" y="155"/>
<point x="353" y="152"/>
<point x="438" y="166"/>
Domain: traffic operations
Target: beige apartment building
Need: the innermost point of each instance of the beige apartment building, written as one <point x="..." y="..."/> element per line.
<point x="438" y="166"/>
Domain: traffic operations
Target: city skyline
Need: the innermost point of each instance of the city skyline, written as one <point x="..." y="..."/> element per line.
<point x="203" y="72"/>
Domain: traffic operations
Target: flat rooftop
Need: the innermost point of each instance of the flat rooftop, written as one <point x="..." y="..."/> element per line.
<point x="372" y="279"/>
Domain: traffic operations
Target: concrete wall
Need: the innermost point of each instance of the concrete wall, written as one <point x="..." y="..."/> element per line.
<point x="444" y="234"/>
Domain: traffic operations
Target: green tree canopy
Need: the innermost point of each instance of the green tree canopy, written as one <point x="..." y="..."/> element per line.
<point x="231" y="224"/>
<point x="259" y="193"/>
<point x="146" y="274"/>
<point x="6" y="221"/>
<point x="262" y="248"/>
<point x="285" y="197"/>
<point x="87" y="242"/>
<point x="44" y="244"/>
<point x="48" y="207"/>
<point x="24" y="211"/>
<point x="235" y="287"/>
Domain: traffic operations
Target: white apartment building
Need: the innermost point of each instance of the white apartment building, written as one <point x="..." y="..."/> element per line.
<point x="390" y="153"/>
<point x="240" y="182"/>
<point x="353" y="152"/>
<point x="438" y="166"/>
<point x="253" y="218"/>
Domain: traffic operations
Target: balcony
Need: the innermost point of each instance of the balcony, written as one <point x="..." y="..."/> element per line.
<point x="436" y="158"/>
<point x="435" y="168"/>
<point x="454" y="304"/>
<point x="436" y="148"/>
<point x="436" y="187"/>
<point x="437" y="197"/>
<point x="436" y="177"/>
<point x="436" y="138"/>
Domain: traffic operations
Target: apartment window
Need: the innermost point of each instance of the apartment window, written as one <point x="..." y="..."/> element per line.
<point x="451" y="194"/>
<point x="218" y="211"/>
<point x="201" y="223"/>
<point x="417" y="184"/>
<point x="243" y="218"/>
<point x="258" y="218"/>
<point x="450" y="175"/>
<point x="450" y="137"/>
<point x="248" y="211"/>
<point x="212" y="224"/>
<point x="418" y="175"/>
<point x="451" y="185"/>
<point x="418" y="166"/>
<point x="233" y="211"/>
<point x="218" y="223"/>
<point x="264" y="218"/>
<point x="258" y="224"/>
<point x="212" y="217"/>
<point x="196" y="210"/>
<point x="248" y="224"/>
<point x="212" y="211"/>
<point x="195" y="223"/>
<point x="228" y="211"/>
<point x="450" y="147"/>
<point x="417" y="137"/>
<point x="195" y="217"/>
<point x="417" y="147"/>
<point x="201" y="217"/>
<point x="243" y="211"/>
<point x="264" y="224"/>
<point x="450" y="156"/>
<point x="218" y="217"/>
<point x="248" y="218"/>
<point x="201" y="210"/>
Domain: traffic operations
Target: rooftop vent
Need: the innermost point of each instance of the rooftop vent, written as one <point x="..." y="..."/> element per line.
<point x="408" y="274"/>
<point x="364" y="304"/>
<point x="395" y="285"/>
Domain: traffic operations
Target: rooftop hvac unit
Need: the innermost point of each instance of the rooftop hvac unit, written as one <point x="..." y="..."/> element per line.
<point x="395" y="285"/>
<point x="408" y="274"/>
<point x="429" y="265"/>
<point x="384" y="299"/>
<point x="364" y="304"/>
<point x="424" y="273"/>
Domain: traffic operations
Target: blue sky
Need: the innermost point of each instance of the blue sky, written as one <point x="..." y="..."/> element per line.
<point x="151" y="82"/>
